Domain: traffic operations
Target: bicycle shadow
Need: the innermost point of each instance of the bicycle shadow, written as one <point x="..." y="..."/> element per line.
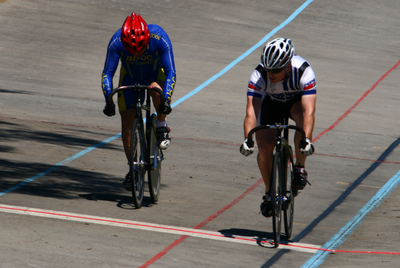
<point x="65" y="182"/>
<point x="122" y="201"/>
<point x="263" y="239"/>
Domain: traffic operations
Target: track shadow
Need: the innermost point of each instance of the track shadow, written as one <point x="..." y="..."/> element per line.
<point x="15" y="91"/>
<point x="123" y="201"/>
<point x="264" y="239"/>
<point x="65" y="182"/>
<point x="62" y="136"/>
<point x="62" y="182"/>
<point x="58" y="181"/>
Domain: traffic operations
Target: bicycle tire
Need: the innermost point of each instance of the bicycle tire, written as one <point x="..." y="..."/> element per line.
<point x="137" y="163"/>
<point x="288" y="211"/>
<point x="154" y="154"/>
<point x="276" y="197"/>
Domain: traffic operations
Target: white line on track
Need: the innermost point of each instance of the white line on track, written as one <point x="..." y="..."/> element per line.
<point x="255" y="241"/>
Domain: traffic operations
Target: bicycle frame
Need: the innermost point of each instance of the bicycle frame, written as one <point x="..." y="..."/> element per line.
<point x="281" y="141"/>
<point x="281" y="196"/>
<point x="140" y="106"/>
<point x="144" y="144"/>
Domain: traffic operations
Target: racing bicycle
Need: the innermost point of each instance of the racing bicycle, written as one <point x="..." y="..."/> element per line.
<point x="281" y="191"/>
<point x="145" y="153"/>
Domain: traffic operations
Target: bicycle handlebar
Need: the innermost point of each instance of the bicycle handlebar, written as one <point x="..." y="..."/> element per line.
<point x="138" y="88"/>
<point x="302" y="143"/>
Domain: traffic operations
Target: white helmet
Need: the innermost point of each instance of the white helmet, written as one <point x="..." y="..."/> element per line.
<point x="277" y="54"/>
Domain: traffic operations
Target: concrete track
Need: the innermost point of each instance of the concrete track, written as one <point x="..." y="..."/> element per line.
<point x="62" y="163"/>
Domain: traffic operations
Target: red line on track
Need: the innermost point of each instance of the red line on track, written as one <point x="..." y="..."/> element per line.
<point x="182" y="238"/>
<point x="178" y="241"/>
<point x="360" y="159"/>
<point x="219" y="212"/>
<point x="358" y="102"/>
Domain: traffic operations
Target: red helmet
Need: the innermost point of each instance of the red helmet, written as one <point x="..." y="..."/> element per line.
<point x="135" y="34"/>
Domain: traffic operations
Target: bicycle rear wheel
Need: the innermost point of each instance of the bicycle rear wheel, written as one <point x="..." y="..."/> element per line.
<point x="155" y="157"/>
<point x="288" y="210"/>
<point x="276" y="197"/>
<point x="137" y="162"/>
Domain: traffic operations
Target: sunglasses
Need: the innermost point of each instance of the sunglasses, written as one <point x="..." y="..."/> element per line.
<point x="275" y="71"/>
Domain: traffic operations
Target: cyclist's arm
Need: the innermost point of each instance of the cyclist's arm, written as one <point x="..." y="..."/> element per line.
<point x="110" y="66"/>
<point x="168" y="64"/>
<point x="252" y="111"/>
<point x="254" y="99"/>
<point x="308" y="101"/>
<point x="308" y="105"/>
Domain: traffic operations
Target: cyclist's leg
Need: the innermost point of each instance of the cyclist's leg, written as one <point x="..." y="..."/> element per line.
<point x="163" y="136"/>
<point x="127" y="110"/>
<point x="296" y="114"/>
<point x="157" y="80"/>
<point x="271" y="113"/>
<point x="127" y="118"/>
<point x="266" y="144"/>
<point x="157" y="100"/>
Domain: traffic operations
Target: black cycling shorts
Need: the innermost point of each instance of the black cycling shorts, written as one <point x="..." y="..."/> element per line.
<point x="273" y="112"/>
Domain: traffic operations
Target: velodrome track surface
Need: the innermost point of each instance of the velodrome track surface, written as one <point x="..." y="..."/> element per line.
<point x="62" y="164"/>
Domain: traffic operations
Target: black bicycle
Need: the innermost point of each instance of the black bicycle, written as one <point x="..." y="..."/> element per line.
<point x="281" y="191"/>
<point x="145" y="153"/>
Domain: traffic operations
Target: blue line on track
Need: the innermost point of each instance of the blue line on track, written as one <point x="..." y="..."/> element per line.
<point x="248" y="52"/>
<point x="346" y="231"/>
<point x="196" y="90"/>
<point x="64" y="162"/>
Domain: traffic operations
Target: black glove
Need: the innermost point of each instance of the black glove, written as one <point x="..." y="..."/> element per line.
<point x="109" y="109"/>
<point x="167" y="108"/>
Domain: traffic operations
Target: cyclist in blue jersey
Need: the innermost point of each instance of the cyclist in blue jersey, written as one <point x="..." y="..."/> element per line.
<point x="147" y="58"/>
<point x="282" y="85"/>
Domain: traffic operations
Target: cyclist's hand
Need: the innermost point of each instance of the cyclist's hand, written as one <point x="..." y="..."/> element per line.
<point x="308" y="148"/>
<point x="246" y="149"/>
<point x="167" y="108"/>
<point x="109" y="110"/>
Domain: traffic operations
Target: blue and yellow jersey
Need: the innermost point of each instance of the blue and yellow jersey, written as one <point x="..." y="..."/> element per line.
<point x="159" y="54"/>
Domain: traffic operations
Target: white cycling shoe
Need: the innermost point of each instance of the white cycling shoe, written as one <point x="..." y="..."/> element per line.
<point x="163" y="137"/>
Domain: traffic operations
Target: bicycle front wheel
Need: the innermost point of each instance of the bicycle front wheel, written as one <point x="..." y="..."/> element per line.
<point x="137" y="162"/>
<point x="155" y="157"/>
<point x="276" y="197"/>
<point x="288" y="210"/>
